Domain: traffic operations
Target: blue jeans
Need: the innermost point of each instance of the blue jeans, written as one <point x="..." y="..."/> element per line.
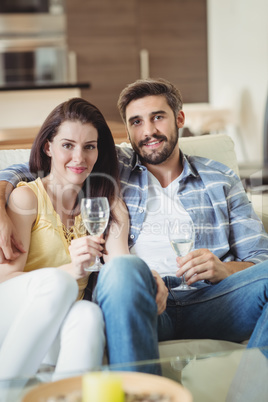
<point x="126" y="293"/>
<point x="235" y="309"/>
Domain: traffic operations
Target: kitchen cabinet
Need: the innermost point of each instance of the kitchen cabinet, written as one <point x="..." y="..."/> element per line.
<point x="175" y="34"/>
<point x="109" y="35"/>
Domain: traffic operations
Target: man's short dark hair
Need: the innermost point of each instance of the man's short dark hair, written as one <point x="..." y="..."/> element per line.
<point x="150" y="87"/>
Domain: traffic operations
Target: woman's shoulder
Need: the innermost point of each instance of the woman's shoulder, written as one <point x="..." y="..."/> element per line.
<point x="34" y="185"/>
<point x="23" y="197"/>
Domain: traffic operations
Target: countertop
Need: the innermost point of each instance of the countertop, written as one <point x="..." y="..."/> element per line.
<point x="27" y="86"/>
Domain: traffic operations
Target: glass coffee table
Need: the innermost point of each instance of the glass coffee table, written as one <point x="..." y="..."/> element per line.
<point x="235" y="376"/>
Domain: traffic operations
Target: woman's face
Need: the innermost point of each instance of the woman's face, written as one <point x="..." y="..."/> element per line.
<point x="73" y="152"/>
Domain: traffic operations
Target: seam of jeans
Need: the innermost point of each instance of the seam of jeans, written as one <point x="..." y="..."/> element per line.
<point x="205" y="298"/>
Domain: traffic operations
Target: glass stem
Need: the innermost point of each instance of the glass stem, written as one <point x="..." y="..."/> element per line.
<point x="97" y="260"/>
<point x="183" y="281"/>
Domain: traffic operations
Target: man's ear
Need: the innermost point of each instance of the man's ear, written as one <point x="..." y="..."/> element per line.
<point x="46" y="148"/>
<point x="180" y="119"/>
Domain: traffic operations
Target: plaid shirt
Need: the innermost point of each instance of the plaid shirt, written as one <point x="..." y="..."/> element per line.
<point x="212" y="194"/>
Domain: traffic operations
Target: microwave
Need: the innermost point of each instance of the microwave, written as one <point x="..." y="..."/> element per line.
<point x="36" y="64"/>
<point x="32" y="6"/>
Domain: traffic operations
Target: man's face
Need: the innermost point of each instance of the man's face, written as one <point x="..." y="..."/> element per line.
<point x="152" y="128"/>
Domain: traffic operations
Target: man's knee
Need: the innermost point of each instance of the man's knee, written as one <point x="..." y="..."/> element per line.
<point x="124" y="268"/>
<point x="124" y="278"/>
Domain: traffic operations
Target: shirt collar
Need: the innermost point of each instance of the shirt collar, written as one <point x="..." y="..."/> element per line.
<point x="188" y="169"/>
<point x="137" y="162"/>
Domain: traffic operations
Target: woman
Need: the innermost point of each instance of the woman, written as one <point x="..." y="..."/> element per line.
<point x="74" y="153"/>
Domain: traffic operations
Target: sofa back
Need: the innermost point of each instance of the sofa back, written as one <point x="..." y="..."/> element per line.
<point x="10" y="156"/>
<point x="219" y="147"/>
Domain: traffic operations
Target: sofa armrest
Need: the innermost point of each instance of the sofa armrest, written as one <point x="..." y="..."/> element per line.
<point x="260" y="206"/>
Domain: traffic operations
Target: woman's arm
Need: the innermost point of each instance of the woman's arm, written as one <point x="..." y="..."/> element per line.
<point x="117" y="240"/>
<point x="22" y="211"/>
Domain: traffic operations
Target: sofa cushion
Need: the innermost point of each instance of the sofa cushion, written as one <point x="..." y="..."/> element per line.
<point x="10" y="156"/>
<point x="219" y="147"/>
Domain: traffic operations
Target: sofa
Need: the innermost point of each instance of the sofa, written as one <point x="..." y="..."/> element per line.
<point x="221" y="148"/>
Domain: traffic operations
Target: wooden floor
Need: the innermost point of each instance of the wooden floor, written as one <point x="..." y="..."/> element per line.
<point x="22" y="138"/>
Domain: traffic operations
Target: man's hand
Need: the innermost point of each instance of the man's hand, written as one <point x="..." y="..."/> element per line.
<point x="10" y="245"/>
<point x="162" y="293"/>
<point x="202" y="264"/>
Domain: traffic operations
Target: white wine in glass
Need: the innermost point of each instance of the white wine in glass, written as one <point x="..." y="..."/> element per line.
<point x="181" y="237"/>
<point x="95" y="212"/>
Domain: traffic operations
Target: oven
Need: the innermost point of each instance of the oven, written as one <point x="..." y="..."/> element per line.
<point x="31" y="6"/>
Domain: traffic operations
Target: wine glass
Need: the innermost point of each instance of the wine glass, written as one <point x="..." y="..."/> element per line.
<point x="181" y="236"/>
<point x="95" y="212"/>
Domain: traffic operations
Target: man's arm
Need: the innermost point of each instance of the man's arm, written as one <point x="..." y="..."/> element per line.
<point x="10" y="245"/>
<point x="248" y="244"/>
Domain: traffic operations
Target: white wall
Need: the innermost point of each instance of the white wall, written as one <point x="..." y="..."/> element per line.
<point x="238" y="68"/>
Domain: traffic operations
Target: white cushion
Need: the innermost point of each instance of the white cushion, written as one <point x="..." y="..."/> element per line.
<point x="10" y="156"/>
<point x="219" y="147"/>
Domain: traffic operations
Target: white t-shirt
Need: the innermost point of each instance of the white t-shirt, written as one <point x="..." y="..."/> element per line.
<point x="153" y="246"/>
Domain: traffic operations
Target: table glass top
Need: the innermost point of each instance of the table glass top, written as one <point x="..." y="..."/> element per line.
<point x="233" y="376"/>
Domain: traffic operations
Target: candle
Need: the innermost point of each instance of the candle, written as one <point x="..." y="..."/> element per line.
<point x="102" y="387"/>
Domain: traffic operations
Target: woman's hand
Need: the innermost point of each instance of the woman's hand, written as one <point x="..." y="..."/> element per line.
<point x="162" y="293"/>
<point x="83" y="252"/>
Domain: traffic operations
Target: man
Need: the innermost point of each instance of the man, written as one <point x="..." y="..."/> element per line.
<point x="159" y="185"/>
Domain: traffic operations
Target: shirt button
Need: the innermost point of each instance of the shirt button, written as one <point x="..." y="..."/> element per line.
<point x="141" y="210"/>
<point x="132" y="236"/>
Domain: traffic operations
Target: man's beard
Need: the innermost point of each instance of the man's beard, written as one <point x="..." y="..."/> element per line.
<point x="157" y="157"/>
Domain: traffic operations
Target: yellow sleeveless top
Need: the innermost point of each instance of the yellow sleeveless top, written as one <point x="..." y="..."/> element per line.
<point x="50" y="239"/>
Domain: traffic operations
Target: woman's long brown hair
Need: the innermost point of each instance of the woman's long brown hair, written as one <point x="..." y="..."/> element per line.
<point x="104" y="178"/>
